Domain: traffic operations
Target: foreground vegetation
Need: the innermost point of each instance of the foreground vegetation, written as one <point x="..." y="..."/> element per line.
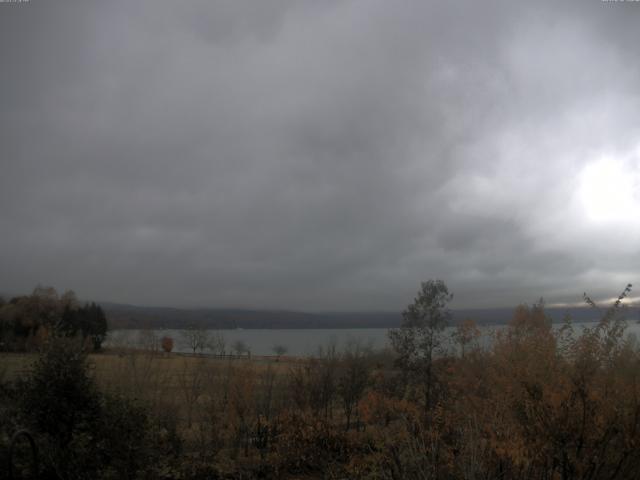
<point x="28" y="321"/>
<point x="536" y="404"/>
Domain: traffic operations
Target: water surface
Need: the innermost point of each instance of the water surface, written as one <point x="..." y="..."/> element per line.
<point x="299" y="342"/>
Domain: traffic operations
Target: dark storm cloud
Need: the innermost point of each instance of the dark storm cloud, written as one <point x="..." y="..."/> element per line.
<point x="315" y="155"/>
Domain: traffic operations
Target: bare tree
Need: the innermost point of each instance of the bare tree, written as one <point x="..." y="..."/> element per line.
<point x="142" y="376"/>
<point x="465" y="334"/>
<point x="197" y="339"/>
<point x="216" y="343"/>
<point x="313" y="384"/>
<point x="149" y="341"/>
<point x="242" y="405"/>
<point x="279" y="350"/>
<point x="240" y="347"/>
<point x="354" y="378"/>
<point x="191" y="380"/>
<point x="214" y="412"/>
<point x="265" y="409"/>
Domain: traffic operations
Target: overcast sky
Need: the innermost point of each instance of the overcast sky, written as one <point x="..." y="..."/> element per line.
<point x="319" y="155"/>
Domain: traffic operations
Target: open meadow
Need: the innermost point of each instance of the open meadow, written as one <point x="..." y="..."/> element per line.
<point x="180" y="384"/>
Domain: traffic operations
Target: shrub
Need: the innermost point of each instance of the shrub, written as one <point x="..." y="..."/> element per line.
<point x="81" y="432"/>
<point x="167" y="344"/>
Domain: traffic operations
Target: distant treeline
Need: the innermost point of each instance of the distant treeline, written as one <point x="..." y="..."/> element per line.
<point x="28" y="321"/>
<point x="135" y="317"/>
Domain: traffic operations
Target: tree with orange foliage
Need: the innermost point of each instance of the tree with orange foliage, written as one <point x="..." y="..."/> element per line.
<point x="167" y="344"/>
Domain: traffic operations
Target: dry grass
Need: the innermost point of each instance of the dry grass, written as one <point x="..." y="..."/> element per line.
<point x="111" y="366"/>
<point x="184" y="387"/>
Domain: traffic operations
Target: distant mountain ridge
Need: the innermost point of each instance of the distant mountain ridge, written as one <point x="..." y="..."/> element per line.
<point x="133" y="317"/>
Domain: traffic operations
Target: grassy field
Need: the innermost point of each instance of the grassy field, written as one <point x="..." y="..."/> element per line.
<point x="190" y="389"/>
<point x="211" y="403"/>
<point x="112" y="364"/>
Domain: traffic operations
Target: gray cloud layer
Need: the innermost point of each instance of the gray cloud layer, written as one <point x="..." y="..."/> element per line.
<point x="319" y="155"/>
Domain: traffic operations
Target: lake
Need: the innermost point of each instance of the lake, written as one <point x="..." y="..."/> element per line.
<point x="298" y="342"/>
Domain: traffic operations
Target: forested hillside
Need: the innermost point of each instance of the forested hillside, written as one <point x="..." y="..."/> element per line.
<point x="130" y="316"/>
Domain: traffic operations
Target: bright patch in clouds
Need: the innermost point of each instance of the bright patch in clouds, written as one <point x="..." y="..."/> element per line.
<point x="610" y="190"/>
